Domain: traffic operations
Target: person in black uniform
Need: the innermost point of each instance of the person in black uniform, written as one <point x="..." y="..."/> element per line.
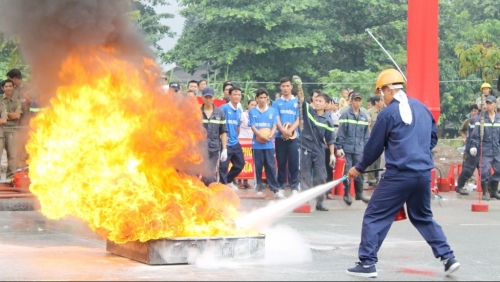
<point x="214" y="122"/>
<point x="317" y="129"/>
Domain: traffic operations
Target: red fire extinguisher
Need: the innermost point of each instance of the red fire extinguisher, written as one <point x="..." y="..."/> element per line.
<point x="21" y="180"/>
<point x="338" y="173"/>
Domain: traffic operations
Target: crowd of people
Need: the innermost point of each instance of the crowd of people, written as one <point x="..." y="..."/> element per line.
<point x="306" y="136"/>
<point x="332" y="127"/>
<point x="481" y="132"/>
<point x="17" y="106"/>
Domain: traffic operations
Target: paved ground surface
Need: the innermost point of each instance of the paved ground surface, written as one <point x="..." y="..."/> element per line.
<point x="34" y="248"/>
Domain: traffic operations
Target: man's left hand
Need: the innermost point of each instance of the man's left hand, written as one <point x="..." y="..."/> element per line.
<point x="353" y="173"/>
<point x="223" y="155"/>
<point x="333" y="159"/>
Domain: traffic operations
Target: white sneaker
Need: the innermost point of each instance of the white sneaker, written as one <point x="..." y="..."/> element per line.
<point x="231" y="185"/>
<point x="279" y="195"/>
<point x="294" y="192"/>
<point x="260" y="193"/>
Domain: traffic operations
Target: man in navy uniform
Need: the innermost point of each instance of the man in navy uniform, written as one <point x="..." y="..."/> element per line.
<point x="352" y="135"/>
<point x="490" y="146"/>
<point x="214" y="123"/>
<point x="407" y="131"/>
<point x="318" y="133"/>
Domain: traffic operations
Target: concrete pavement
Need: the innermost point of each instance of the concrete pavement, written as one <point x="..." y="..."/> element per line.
<point x="34" y="248"/>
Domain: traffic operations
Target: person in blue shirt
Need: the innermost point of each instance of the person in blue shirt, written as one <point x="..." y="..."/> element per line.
<point x="407" y="131"/>
<point x="260" y="117"/>
<point x="234" y="151"/>
<point x="287" y="149"/>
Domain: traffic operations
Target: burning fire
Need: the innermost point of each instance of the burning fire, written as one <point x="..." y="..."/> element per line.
<point x="109" y="149"/>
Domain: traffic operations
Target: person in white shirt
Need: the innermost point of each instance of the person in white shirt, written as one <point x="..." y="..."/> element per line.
<point x="246" y="132"/>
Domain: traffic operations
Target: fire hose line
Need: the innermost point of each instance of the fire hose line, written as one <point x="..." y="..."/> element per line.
<point x="15" y="195"/>
<point x="14" y="189"/>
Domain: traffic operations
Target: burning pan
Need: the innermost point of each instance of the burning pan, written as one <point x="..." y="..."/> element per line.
<point x="175" y="251"/>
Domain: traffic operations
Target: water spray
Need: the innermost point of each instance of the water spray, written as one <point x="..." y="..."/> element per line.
<point x="262" y="217"/>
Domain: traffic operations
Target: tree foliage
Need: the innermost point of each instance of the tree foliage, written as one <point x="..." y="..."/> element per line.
<point x="483" y="57"/>
<point x="143" y="13"/>
<point x="361" y="81"/>
<point x="257" y="39"/>
<point x="463" y="24"/>
<point x="265" y="40"/>
<point x="10" y="55"/>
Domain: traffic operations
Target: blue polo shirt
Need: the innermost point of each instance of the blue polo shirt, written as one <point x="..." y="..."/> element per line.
<point x="265" y="119"/>
<point x="288" y="111"/>
<point x="233" y="121"/>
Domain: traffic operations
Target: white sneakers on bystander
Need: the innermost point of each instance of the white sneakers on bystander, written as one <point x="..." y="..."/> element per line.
<point x="279" y="195"/>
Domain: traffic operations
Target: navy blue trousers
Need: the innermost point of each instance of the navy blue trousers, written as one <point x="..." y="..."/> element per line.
<point x="470" y="164"/>
<point x="312" y="171"/>
<point x="235" y="156"/>
<point x="487" y="163"/>
<point x="264" y="158"/>
<point x="210" y="175"/>
<point x="287" y="153"/>
<point x="391" y="194"/>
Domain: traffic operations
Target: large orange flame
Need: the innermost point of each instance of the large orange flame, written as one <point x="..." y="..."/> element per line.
<point x="108" y="151"/>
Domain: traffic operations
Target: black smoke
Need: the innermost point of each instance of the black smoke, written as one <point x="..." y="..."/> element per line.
<point x="49" y="30"/>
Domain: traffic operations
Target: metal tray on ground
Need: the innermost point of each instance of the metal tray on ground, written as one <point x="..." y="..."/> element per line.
<point x="175" y="250"/>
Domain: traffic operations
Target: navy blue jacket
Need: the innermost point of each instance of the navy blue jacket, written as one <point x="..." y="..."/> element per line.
<point x="472" y="124"/>
<point x="407" y="147"/>
<point x="317" y="130"/>
<point x="491" y="137"/>
<point x="353" y="132"/>
<point x="215" y="125"/>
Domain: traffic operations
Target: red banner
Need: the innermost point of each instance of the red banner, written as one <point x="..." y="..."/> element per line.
<point x="248" y="170"/>
<point x="217" y="102"/>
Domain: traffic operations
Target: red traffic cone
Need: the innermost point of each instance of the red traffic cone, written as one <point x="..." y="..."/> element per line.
<point x="451" y="177"/>
<point x="338" y="173"/>
<point x="401" y="215"/>
<point x="304" y="208"/>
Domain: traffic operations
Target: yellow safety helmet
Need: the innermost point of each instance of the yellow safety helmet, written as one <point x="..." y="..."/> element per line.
<point x="485" y="85"/>
<point x="388" y="77"/>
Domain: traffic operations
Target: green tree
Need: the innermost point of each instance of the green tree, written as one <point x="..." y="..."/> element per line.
<point x="257" y="40"/>
<point x="10" y="55"/>
<point x="463" y="23"/>
<point x="362" y="82"/>
<point x="267" y="40"/>
<point x="353" y="48"/>
<point x="484" y="56"/>
<point x="143" y="13"/>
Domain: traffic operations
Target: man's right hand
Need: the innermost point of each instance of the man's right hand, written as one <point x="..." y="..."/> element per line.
<point x="285" y="134"/>
<point x="262" y="136"/>
<point x="473" y="152"/>
<point x="340" y="153"/>
<point x="296" y="80"/>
